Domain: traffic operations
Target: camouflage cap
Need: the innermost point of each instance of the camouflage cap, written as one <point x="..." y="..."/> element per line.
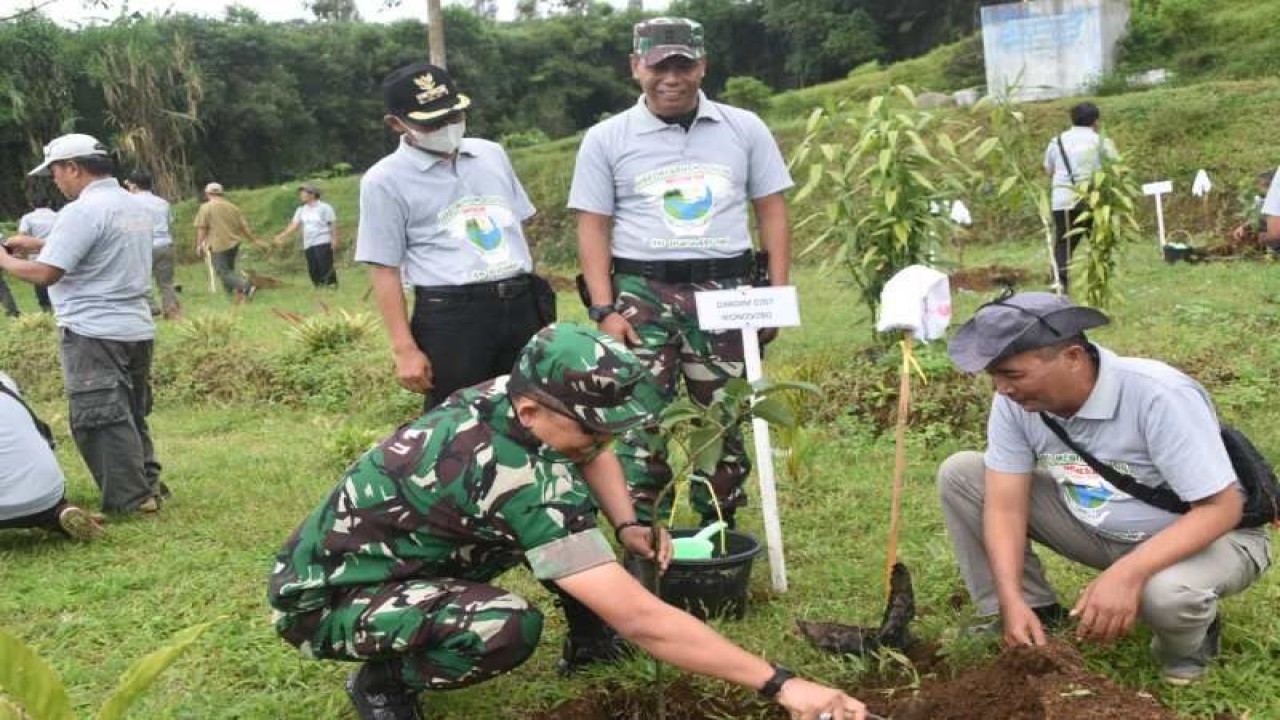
<point x="660" y="38"/>
<point x="588" y="375"/>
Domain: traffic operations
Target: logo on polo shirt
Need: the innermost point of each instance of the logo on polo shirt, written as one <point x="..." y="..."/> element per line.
<point x="686" y="195"/>
<point x="484" y="224"/>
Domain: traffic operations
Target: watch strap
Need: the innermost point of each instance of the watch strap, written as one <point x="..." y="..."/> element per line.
<point x="773" y="685"/>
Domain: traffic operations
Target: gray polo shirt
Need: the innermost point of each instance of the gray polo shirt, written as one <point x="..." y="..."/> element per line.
<point x="316" y="220"/>
<point x="160" y="212"/>
<point x="37" y="223"/>
<point x="1085" y="150"/>
<point x="30" y="479"/>
<point x="1271" y="204"/>
<point x="445" y="222"/>
<point x="677" y="195"/>
<point x="1143" y="418"/>
<point x="102" y="243"/>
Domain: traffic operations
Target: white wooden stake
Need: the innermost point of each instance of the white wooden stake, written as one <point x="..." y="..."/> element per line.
<point x="1159" y="189"/>
<point x="764" y="469"/>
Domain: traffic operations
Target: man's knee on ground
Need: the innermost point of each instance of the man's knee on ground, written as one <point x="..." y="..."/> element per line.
<point x="495" y="640"/>
<point x="961" y="470"/>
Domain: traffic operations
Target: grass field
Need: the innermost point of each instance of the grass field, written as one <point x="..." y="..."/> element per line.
<point x="246" y="469"/>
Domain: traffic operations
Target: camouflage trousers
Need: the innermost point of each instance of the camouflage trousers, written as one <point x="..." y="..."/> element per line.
<point x="445" y="633"/>
<point x="665" y="317"/>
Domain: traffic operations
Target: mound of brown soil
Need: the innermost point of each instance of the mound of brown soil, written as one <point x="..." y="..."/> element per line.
<point x="987" y="277"/>
<point x="1025" y="683"/>
<point x="1047" y="683"/>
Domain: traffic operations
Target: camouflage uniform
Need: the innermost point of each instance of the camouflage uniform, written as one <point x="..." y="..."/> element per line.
<point x="395" y="564"/>
<point x="672" y="345"/>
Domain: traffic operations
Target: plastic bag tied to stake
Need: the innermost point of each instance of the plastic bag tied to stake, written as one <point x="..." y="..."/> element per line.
<point x="916" y="302"/>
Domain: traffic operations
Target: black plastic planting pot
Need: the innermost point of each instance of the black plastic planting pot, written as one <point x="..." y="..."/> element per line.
<point x="713" y="588"/>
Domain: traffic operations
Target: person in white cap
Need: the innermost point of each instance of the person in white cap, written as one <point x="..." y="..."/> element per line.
<point x="1113" y="462"/>
<point x="220" y="228"/>
<point x="96" y="262"/>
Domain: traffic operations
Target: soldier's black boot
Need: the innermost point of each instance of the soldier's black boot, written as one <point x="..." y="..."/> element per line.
<point x="589" y="640"/>
<point x="379" y="694"/>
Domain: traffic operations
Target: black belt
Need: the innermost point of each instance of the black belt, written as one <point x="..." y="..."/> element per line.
<point x="500" y="289"/>
<point x="687" y="271"/>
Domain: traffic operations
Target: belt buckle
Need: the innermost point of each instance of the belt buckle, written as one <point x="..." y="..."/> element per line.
<point x="506" y="289"/>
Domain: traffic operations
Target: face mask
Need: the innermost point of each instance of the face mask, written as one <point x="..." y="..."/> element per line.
<point x="445" y="141"/>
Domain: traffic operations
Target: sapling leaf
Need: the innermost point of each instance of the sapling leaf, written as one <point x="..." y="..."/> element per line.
<point x="706" y="445"/>
<point x="29" y="681"/>
<point x="143" y="672"/>
<point x="774" y="412"/>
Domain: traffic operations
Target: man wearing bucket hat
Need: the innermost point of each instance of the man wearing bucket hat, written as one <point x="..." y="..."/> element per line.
<point x="319" y="235"/>
<point x="1139" y="417"/>
<point x="443" y="214"/>
<point x="664" y="192"/>
<point x="394" y="568"/>
<point x="96" y="261"/>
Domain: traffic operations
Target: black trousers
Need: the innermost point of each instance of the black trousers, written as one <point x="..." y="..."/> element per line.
<point x="47" y="519"/>
<point x="1064" y="247"/>
<point x="42" y="298"/>
<point x="470" y="338"/>
<point x="320" y="265"/>
<point x="6" y="298"/>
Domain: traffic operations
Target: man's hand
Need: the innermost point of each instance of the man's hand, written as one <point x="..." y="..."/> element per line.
<point x="23" y="244"/>
<point x="413" y="370"/>
<point x="1108" y="607"/>
<point x="805" y="700"/>
<point x="202" y="248"/>
<point x="638" y="540"/>
<point x="617" y="326"/>
<point x="1021" y="625"/>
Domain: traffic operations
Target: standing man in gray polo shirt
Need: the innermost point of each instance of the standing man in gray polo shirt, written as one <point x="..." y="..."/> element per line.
<point x="443" y="214"/>
<point x="162" y="260"/>
<point x="664" y="192"/>
<point x="97" y="264"/>
<point x="1071" y="158"/>
<point x="319" y="235"/>
<point x="1142" y="418"/>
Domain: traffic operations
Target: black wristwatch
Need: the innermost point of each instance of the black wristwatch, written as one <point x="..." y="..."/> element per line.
<point x="773" y="685"/>
<point x="598" y="313"/>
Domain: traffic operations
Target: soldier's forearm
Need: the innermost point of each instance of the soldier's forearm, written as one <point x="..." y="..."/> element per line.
<point x="596" y="258"/>
<point x="604" y="476"/>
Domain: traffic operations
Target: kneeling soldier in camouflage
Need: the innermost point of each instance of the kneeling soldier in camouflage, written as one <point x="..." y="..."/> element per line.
<point x="393" y="569"/>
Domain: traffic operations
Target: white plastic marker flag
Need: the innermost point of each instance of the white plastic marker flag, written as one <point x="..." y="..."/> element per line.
<point x="960" y="213"/>
<point x="1159" y="190"/>
<point x="1202" y="185"/>
<point x="917" y="301"/>
<point x="750" y="310"/>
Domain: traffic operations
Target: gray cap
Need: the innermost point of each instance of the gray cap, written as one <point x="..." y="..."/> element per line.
<point x="1018" y="323"/>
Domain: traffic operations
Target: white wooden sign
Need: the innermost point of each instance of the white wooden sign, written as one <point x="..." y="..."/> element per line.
<point x="750" y="309"/>
<point x="1159" y="190"/>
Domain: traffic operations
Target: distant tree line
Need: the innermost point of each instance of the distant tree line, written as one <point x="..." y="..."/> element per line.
<point x="248" y="102"/>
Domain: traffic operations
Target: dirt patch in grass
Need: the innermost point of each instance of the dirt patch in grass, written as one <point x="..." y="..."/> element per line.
<point x="987" y="277"/>
<point x="1048" y="683"/>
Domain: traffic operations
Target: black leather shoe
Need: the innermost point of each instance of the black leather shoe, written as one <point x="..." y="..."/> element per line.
<point x="379" y="696"/>
<point x="579" y="652"/>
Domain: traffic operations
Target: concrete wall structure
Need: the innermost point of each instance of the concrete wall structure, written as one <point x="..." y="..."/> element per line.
<point x="1050" y="48"/>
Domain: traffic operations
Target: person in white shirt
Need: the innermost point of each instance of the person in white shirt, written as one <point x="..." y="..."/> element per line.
<point x="162" y="259"/>
<point x="1072" y="158"/>
<point x="319" y="235"/>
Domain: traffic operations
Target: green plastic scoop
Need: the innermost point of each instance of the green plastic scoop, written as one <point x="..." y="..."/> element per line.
<point x="699" y="546"/>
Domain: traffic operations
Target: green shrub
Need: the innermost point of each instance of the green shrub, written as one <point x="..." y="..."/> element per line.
<point x="327" y="332"/>
<point x="524" y="138"/>
<point x="747" y="93"/>
<point x="29" y="353"/>
<point x="207" y="331"/>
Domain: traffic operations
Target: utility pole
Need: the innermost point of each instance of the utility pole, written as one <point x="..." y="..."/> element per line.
<point x="435" y="32"/>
